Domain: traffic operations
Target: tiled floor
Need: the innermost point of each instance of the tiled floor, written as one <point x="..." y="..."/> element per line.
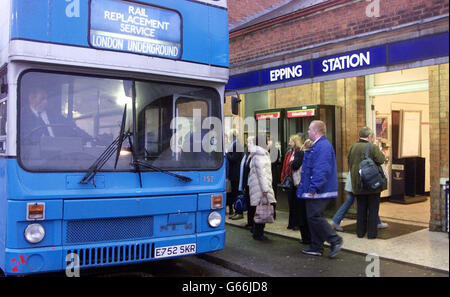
<point x="416" y="213"/>
<point x="430" y="249"/>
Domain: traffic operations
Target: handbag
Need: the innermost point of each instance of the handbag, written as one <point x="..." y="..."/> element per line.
<point x="264" y="213"/>
<point x="296" y="176"/>
<point x="288" y="183"/>
<point x="240" y="203"/>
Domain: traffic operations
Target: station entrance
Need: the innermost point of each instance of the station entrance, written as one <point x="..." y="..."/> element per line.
<point x="295" y="120"/>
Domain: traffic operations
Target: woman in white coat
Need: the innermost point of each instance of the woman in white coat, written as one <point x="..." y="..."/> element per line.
<point x="260" y="184"/>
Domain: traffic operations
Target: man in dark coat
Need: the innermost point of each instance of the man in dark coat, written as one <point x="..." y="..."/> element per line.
<point x="234" y="156"/>
<point x="368" y="201"/>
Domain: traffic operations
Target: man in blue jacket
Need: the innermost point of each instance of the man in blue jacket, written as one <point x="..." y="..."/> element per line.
<point x="318" y="185"/>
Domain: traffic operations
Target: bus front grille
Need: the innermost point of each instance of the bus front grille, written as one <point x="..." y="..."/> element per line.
<point x="111" y="254"/>
<point x="109" y="229"/>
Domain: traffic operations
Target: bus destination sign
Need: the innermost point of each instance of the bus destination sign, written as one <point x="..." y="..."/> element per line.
<point x="136" y="28"/>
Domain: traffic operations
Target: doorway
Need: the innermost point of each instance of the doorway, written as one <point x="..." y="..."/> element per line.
<point x="399" y="115"/>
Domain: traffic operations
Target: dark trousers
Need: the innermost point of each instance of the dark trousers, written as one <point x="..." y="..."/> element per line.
<point x="250" y="213"/>
<point x="367" y="215"/>
<point x="321" y="231"/>
<point x="231" y="196"/>
<point x="257" y="229"/>
<point x="303" y="220"/>
<point x="294" y="219"/>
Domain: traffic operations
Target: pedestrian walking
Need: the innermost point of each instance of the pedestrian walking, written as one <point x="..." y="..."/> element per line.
<point x="368" y="201"/>
<point x="318" y="185"/>
<point x="339" y="215"/>
<point x="260" y="183"/>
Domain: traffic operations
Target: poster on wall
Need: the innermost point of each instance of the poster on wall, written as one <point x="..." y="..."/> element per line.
<point x="410" y="134"/>
<point x="382" y="125"/>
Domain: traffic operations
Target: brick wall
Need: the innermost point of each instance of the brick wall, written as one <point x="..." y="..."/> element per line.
<point x="327" y="25"/>
<point x="242" y="9"/>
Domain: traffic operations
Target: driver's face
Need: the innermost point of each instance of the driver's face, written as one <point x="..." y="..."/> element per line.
<point x="38" y="100"/>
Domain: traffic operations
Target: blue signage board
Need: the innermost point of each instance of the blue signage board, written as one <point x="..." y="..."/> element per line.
<point x="243" y="81"/>
<point x="286" y="73"/>
<point x="426" y="47"/>
<point x="361" y="59"/>
<point x="137" y="28"/>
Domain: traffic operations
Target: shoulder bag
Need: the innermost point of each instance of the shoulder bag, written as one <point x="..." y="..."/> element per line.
<point x="264" y="213"/>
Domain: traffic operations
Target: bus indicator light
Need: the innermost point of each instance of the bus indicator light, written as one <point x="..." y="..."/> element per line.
<point x="35" y="211"/>
<point x="216" y="201"/>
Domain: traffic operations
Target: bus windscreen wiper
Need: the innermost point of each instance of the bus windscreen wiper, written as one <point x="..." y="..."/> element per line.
<point x="146" y="164"/>
<point x="115" y="146"/>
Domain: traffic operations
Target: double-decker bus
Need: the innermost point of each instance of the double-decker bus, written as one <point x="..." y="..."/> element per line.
<point x="110" y="131"/>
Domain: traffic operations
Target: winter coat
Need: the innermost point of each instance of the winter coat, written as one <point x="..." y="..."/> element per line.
<point x="286" y="170"/>
<point x="355" y="156"/>
<point x="260" y="177"/>
<point x="319" y="172"/>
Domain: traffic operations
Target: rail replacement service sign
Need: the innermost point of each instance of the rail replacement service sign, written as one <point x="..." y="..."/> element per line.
<point x="136" y="28"/>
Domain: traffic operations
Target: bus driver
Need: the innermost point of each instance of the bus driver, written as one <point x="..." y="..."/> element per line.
<point x="40" y="120"/>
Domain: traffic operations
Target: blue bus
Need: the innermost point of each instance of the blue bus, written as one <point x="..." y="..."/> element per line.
<point x="111" y="150"/>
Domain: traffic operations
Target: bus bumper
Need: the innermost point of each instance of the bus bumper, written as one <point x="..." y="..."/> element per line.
<point x="50" y="259"/>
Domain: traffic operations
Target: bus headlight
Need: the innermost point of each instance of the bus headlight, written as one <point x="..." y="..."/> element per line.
<point x="214" y="219"/>
<point x="34" y="233"/>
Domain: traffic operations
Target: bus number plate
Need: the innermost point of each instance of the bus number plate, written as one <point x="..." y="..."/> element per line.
<point x="175" y="250"/>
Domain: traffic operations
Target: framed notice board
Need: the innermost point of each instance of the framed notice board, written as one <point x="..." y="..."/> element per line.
<point x="410" y="134"/>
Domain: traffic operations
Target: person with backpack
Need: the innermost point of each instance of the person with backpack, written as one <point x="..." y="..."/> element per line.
<point x="339" y="215"/>
<point x="368" y="181"/>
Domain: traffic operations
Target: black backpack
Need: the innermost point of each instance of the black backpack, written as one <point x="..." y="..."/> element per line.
<point x="372" y="176"/>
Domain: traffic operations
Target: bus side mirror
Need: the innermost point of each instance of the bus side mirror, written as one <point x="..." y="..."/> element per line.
<point x="235" y="105"/>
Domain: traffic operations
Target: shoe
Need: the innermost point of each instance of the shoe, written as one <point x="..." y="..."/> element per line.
<point x="230" y="213"/>
<point x="237" y="216"/>
<point x="312" y="252"/>
<point x="289" y="227"/>
<point x="305" y="242"/>
<point x="382" y="225"/>
<point x="335" y="248"/>
<point x="260" y="238"/>
<point x="336" y="226"/>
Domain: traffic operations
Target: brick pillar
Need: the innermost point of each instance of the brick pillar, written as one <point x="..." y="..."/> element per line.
<point x="438" y="94"/>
